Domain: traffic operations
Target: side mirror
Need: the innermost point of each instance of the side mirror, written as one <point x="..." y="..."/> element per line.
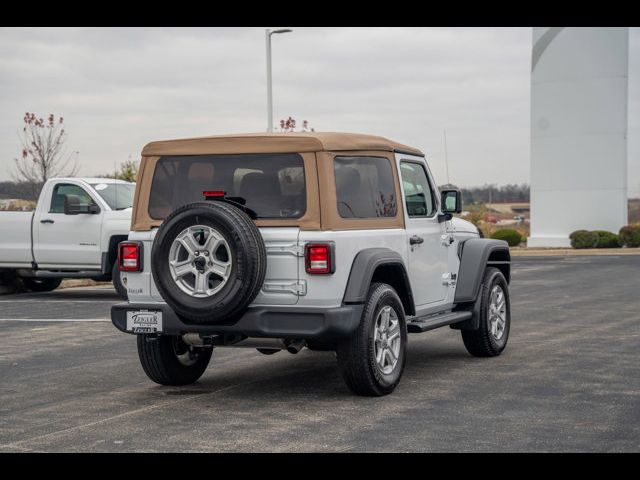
<point x="71" y="204"/>
<point x="451" y="203"/>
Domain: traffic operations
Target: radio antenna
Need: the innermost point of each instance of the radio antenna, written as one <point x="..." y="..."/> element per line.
<point x="446" y="158"/>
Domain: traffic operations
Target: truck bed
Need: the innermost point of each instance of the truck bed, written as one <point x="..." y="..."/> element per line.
<point x="15" y="239"/>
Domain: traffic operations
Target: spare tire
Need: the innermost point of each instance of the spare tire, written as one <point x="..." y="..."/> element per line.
<point x="208" y="262"/>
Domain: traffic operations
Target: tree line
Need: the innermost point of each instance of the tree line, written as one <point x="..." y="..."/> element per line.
<point x="510" y="193"/>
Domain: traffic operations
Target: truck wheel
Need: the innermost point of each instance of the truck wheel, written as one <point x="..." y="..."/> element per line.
<point x="208" y="261"/>
<point x="167" y="360"/>
<point x="119" y="280"/>
<point x="41" y="284"/>
<point x="8" y="280"/>
<point x="495" y="317"/>
<point x="6" y="276"/>
<point x="372" y="360"/>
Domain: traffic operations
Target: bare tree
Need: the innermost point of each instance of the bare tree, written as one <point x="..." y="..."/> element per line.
<point x="43" y="153"/>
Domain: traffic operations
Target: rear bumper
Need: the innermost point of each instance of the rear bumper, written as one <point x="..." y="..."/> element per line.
<point x="293" y="322"/>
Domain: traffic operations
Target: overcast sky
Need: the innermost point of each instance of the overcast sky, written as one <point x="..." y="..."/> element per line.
<point x="118" y="89"/>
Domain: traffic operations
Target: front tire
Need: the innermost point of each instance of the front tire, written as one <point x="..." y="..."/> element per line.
<point x="373" y="359"/>
<point x="167" y="360"/>
<point x="491" y="338"/>
<point x="41" y="284"/>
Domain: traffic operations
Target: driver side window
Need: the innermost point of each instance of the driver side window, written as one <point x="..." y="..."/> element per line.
<point x="417" y="190"/>
<point x="62" y="189"/>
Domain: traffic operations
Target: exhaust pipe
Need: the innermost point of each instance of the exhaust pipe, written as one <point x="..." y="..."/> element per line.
<point x="294" y="346"/>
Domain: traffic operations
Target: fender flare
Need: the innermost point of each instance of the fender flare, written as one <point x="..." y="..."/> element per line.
<point x="364" y="266"/>
<point x="111" y="255"/>
<point x="474" y="258"/>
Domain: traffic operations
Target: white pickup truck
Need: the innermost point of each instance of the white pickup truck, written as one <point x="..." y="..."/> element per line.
<point x="73" y="233"/>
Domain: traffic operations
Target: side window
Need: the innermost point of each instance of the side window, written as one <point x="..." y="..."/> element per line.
<point x="364" y="187"/>
<point x="62" y="189"/>
<point x="417" y="190"/>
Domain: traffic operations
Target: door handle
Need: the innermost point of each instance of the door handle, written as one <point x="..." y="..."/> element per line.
<point x="46" y="220"/>
<point x="416" y="240"/>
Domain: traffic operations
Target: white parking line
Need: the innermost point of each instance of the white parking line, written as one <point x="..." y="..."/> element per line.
<point x="41" y="300"/>
<point x="55" y="320"/>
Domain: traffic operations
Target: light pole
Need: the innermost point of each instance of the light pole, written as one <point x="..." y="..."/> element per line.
<point x="268" y="33"/>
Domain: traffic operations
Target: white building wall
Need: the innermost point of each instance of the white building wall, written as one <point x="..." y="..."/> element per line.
<point x="578" y="132"/>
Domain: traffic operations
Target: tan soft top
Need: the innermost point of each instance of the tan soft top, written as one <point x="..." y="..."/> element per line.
<point x="275" y="143"/>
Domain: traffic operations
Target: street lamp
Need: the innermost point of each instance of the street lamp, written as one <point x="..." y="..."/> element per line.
<point x="268" y="33"/>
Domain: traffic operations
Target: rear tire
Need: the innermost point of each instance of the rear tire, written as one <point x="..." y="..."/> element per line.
<point x="8" y="281"/>
<point x="118" y="283"/>
<point x="41" y="284"/>
<point x="360" y="357"/>
<point x="6" y="276"/>
<point x="167" y="360"/>
<point x="495" y="317"/>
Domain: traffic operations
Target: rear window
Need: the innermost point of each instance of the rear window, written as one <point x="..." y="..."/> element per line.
<point x="272" y="184"/>
<point x="364" y="187"/>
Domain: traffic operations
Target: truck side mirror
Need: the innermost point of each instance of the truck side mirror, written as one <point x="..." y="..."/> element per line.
<point x="71" y="204"/>
<point x="451" y="201"/>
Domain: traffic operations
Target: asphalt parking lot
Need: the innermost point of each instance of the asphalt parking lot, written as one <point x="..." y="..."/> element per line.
<point x="568" y="381"/>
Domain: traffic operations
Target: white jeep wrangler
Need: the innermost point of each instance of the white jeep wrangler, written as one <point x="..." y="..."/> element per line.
<point x="333" y="241"/>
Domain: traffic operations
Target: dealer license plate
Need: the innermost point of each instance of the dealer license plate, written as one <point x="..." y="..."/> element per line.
<point x="144" y="321"/>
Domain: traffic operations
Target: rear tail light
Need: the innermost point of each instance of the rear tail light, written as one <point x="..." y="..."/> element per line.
<point x="130" y="256"/>
<point x="319" y="258"/>
<point x="213" y="194"/>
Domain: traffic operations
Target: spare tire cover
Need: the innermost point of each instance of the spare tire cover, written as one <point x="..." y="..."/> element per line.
<point x="208" y="261"/>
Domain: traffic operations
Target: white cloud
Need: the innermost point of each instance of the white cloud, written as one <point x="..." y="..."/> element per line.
<point x="121" y="88"/>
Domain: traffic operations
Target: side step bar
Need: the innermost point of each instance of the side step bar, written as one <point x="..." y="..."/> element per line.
<point x="425" y="324"/>
<point x="59" y="274"/>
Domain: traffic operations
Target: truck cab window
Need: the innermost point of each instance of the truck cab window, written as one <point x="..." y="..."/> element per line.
<point x="62" y="189"/>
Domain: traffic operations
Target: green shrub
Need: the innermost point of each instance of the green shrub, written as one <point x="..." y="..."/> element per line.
<point x="584" y="239"/>
<point x="512" y="237"/>
<point x="630" y="236"/>
<point x="607" y="239"/>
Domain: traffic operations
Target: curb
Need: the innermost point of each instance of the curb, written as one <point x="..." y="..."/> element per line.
<point x="569" y="252"/>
